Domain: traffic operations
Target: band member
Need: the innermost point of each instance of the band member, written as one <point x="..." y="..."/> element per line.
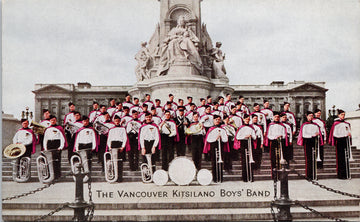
<point x="230" y="131"/>
<point x="276" y="138"/>
<point x="188" y="105"/>
<point x="288" y="151"/>
<point x="259" y="132"/>
<point x="54" y="139"/>
<point x="239" y="111"/>
<point x="317" y="119"/>
<point x="168" y="107"/>
<point x="112" y="108"/>
<point x="181" y="123"/>
<point x="189" y="114"/>
<point x="261" y="116"/>
<point x="86" y="136"/>
<point x="216" y="111"/>
<point x="69" y="118"/>
<point x="148" y="101"/>
<point x="118" y="139"/>
<point x="77" y="125"/>
<point x="173" y="104"/>
<point x="95" y="112"/>
<point x="309" y="138"/>
<point x="236" y="120"/>
<point x="118" y="112"/>
<point x="104" y="119"/>
<point x="44" y="122"/>
<point x="26" y="137"/>
<point x="245" y="141"/>
<point x="169" y="135"/>
<point x="159" y="108"/>
<point x="207" y="118"/>
<point x="126" y="116"/>
<point x="201" y="109"/>
<point x="340" y="137"/>
<point x="209" y="101"/>
<point x="132" y="129"/>
<point x="136" y="106"/>
<point x="149" y="139"/>
<point x="290" y="116"/>
<point x="127" y="101"/>
<point x="244" y="108"/>
<point x="141" y="115"/>
<point x="180" y="103"/>
<point x="195" y="140"/>
<point x="155" y="118"/>
<point x="267" y="111"/>
<point x="222" y="107"/>
<point x="216" y="143"/>
<point x="228" y="102"/>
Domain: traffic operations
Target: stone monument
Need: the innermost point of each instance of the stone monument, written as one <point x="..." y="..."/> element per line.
<point x="180" y="57"/>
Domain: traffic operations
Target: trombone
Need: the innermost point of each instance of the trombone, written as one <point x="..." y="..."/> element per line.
<point x="279" y="155"/>
<point x="219" y="161"/>
<point x="249" y="160"/>
<point x="348" y="157"/>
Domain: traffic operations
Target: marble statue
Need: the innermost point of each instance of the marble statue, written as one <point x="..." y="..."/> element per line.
<point x="218" y="63"/>
<point x="143" y="58"/>
<point x="179" y="45"/>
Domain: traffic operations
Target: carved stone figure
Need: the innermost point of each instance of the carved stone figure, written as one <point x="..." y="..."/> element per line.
<point x="218" y="63"/>
<point x="143" y="58"/>
<point x="180" y="45"/>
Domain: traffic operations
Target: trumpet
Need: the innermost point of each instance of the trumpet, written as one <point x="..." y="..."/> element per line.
<point x="45" y="167"/>
<point x="147" y="169"/>
<point x="81" y="158"/>
<point x="37" y="128"/>
<point x="71" y="127"/>
<point x="113" y="166"/>
<point x="101" y="128"/>
<point x="249" y="160"/>
<point x="21" y="171"/>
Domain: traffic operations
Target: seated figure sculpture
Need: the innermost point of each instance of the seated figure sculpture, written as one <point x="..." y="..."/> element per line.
<point x="179" y="45"/>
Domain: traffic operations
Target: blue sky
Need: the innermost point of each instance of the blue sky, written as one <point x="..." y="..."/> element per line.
<point x="70" y="41"/>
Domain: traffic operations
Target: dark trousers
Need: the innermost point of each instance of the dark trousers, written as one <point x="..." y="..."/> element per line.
<point x="342" y="162"/>
<point x="216" y="166"/>
<point x="133" y="154"/>
<point x="148" y="146"/>
<point x="167" y="150"/>
<point x="71" y="141"/>
<point x="275" y="155"/>
<point x="247" y="167"/>
<point x="181" y="146"/>
<point x="101" y="150"/>
<point x="257" y="154"/>
<point x="310" y="158"/>
<point x="197" y="147"/>
<point x="227" y="155"/>
<point x="53" y="145"/>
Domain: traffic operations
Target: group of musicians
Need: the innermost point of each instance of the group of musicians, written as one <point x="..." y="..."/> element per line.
<point x="223" y="131"/>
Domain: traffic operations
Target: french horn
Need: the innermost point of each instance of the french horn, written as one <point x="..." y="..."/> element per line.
<point x="21" y="166"/>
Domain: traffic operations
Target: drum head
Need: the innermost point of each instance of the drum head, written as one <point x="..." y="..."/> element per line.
<point x="160" y="177"/>
<point x="182" y="171"/>
<point x="204" y="177"/>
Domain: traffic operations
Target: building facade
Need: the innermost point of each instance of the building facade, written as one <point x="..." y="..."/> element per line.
<point x="301" y="95"/>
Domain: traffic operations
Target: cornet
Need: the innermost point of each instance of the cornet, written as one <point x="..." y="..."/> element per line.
<point x="113" y="166"/>
<point x="146" y="169"/>
<point x="21" y="171"/>
<point x="45" y="167"/>
<point x="37" y="128"/>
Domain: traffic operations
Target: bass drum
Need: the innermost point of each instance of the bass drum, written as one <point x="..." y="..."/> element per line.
<point x="204" y="177"/>
<point x="160" y="177"/>
<point x="182" y="171"/>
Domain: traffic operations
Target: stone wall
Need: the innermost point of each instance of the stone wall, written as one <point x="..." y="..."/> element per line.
<point x="354" y="119"/>
<point x="9" y="127"/>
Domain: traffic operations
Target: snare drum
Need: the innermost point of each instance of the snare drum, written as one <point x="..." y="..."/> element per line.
<point x="160" y="177"/>
<point x="182" y="171"/>
<point x="204" y="177"/>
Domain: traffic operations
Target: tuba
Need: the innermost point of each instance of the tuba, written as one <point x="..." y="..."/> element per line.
<point x="81" y="158"/>
<point x="37" y="128"/>
<point x="21" y="165"/>
<point x="71" y="127"/>
<point x="45" y="167"/>
<point x="147" y="169"/>
<point x="113" y="166"/>
<point x="101" y="128"/>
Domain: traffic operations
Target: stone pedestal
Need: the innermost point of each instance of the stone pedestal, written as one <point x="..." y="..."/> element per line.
<point x="354" y="119"/>
<point x="180" y="86"/>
